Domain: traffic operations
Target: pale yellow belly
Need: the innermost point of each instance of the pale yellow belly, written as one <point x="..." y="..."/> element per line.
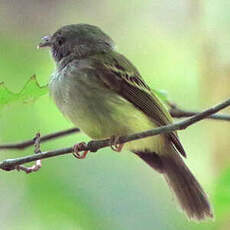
<point x="119" y="118"/>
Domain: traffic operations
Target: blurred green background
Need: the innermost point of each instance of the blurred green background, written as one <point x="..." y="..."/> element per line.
<point x="181" y="46"/>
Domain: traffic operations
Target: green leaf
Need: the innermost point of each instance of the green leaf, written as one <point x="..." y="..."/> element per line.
<point x="30" y="92"/>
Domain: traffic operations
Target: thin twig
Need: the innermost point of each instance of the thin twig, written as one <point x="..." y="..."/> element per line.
<point x="93" y="146"/>
<point x="177" y="112"/>
<point x="28" y="143"/>
<point x="38" y="163"/>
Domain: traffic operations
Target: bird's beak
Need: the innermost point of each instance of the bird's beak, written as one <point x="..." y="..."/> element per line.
<point x="46" y="42"/>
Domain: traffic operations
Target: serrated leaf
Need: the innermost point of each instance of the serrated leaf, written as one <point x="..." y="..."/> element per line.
<point x="30" y="92"/>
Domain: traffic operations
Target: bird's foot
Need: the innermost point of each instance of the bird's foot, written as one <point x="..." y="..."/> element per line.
<point x="114" y="145"/>
<point x="77" y="148"/>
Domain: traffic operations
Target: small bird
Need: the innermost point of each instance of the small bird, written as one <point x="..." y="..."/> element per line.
<point x="103" y="93"/>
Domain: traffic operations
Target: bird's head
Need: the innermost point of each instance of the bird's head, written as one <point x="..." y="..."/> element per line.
<point x="80" y="40"/>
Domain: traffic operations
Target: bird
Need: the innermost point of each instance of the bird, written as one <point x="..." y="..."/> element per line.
<point x="102" y="92"/>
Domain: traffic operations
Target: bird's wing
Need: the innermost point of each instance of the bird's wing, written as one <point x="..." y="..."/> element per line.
<point x="120" y="75"/>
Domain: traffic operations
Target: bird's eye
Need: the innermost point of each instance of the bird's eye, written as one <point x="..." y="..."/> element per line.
<point x="60" y="41"/>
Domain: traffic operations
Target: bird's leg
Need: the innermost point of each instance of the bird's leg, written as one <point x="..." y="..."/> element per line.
<point x="77" y="149"/>
<point x="114" y="145"/>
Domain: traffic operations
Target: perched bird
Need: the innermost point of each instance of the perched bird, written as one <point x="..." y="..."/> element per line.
<point x="103" y="93"/>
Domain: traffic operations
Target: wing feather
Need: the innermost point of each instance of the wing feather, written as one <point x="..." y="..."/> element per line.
<point x="120" y="75"/>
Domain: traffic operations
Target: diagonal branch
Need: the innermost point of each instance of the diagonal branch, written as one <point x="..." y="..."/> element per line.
<point x="175" y="112"/>
<point x="93" y="146"/>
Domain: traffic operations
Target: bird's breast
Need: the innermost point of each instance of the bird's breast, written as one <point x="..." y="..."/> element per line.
<point x="86" y="102"/>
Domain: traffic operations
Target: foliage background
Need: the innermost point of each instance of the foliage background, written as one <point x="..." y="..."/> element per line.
<point x="180" y="46"/>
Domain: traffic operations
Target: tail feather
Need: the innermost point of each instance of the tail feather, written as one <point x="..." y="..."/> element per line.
<point x="187" y="189"/>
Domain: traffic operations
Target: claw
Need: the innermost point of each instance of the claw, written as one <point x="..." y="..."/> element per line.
<point x="76" y="150"/>
<point x="114" y="145"/>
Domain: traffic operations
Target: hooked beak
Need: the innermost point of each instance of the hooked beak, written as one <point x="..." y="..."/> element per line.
<point x="46" y="42"/>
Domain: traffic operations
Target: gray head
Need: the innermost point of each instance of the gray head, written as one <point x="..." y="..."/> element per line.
<point x="80" y="40"/>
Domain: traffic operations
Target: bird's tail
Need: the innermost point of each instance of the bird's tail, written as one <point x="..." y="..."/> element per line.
<point x="187" y="189"/>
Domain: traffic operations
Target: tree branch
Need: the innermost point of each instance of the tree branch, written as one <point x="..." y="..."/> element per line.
<point x="28" y="143"/>
<point x="177" y="112"/>
<point x="93" y="146"/>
